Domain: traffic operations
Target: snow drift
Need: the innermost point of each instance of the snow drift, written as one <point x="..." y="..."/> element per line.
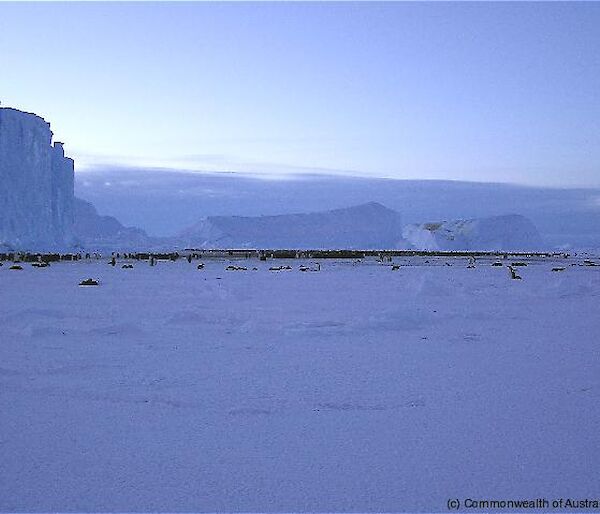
<point x="512" y="232"/>
<point x="369" y="225"/>
<point x="37" y="195"/>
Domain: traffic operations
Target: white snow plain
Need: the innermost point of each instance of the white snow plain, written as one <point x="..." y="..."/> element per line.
<point x="356" y="388"/>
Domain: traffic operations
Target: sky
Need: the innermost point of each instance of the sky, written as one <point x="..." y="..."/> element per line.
<point x="489" y="92"/>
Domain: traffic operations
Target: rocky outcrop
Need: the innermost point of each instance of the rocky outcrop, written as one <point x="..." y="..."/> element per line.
<point x="36" y="197"/>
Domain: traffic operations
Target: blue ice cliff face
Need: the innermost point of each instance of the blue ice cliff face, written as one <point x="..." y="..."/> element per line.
<point x="36" y="193"/>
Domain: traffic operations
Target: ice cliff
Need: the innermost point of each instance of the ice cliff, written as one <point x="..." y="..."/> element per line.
<point x="36" y="197"/>
<point x="512" y="233"/>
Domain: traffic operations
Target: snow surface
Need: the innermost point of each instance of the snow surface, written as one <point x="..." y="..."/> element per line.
<point x="355" y="388"/>
<point x="496" y="233"/>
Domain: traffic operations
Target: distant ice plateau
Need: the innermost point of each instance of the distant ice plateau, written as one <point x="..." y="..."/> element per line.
<point x="367" y="226"/>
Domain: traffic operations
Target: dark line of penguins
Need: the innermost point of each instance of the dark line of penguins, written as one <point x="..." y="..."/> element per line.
<point x="42" y="260"/>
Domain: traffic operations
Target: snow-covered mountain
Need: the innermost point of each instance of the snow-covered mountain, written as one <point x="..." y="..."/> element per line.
<point x="96" y="232"/>
<point x="36" y="196"/>
<point x="369" y="225"/>
<point x="512" y="232"/>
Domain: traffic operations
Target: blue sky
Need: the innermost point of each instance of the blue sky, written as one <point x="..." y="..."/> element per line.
<point x="502" y="92"/>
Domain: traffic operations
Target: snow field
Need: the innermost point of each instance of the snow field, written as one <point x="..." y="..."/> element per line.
<point x="353" y="388"/>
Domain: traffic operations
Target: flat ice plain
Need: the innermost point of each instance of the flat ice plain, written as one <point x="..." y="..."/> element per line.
<point x="356" y="388"/>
